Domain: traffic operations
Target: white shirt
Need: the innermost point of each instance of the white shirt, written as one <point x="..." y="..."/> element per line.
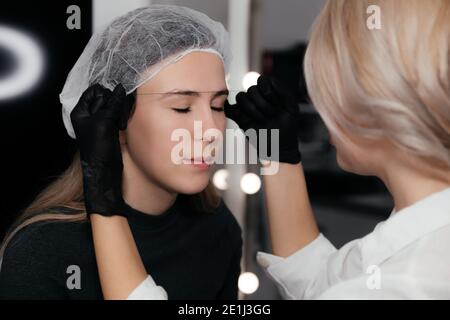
<point x="148" y="290"/>
<point x="405" y="257"/>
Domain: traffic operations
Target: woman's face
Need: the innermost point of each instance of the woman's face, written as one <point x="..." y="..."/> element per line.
<point x="192" y="89"/>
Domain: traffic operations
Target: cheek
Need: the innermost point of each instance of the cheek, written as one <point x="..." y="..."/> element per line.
<point x="220" y="121"/>
<point x="150" y="146"/>
<point x="148" y="138"/>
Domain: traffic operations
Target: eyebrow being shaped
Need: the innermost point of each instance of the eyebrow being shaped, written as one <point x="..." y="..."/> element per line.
<point x="190" y="93"/>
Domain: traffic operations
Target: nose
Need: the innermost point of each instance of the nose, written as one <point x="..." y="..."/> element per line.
<point x="206" y="117"/>
<point x="207" y="131"/>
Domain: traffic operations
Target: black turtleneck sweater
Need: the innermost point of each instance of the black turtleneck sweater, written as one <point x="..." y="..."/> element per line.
<point x="191" y="255"/>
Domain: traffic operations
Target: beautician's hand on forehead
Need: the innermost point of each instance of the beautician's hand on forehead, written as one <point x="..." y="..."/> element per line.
<point x="97" y="102"/>
<point x="267" y="106"/>
<point x="97" y="119"/>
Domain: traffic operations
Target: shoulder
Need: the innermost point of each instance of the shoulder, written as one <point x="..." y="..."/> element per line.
<point x="34" y="263"/>
<point x="429" y="256"/>
<point x="47" y="238"/>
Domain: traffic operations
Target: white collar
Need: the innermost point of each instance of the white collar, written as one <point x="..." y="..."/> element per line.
<point x="406" y="226"/>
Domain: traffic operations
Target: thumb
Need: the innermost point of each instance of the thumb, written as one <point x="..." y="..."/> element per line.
<point x="113" y="108"/>
<point x="234" y="113"/>
<point x="230" y="110"/>
<point x="129" y="102"/>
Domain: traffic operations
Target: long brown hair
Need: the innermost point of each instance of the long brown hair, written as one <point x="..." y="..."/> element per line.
<point x="67" y="191"/>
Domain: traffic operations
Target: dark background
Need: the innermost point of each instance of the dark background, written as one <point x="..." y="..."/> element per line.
<point x="33" y="141"/>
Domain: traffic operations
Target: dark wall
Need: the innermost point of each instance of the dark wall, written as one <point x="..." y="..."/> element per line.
<point x="34" y="146"/>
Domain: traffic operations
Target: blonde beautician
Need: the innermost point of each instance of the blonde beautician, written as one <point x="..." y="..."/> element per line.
<point x="385" y="98"/>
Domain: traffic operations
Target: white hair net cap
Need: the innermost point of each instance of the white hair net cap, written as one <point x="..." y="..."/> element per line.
<point x="138" y="45"/>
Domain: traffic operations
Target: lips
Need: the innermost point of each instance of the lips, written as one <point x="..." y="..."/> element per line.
<point x="199" y="160"/>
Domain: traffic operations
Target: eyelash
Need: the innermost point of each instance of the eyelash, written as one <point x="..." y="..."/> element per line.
<point x="186" y="110"/>
<point x="218" y="109"/>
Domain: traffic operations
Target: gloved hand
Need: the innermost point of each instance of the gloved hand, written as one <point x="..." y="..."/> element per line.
<point x="97" y="119"/>
<point x="267" y="106"/>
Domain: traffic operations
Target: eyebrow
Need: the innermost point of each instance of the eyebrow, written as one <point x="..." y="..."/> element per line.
<point x="191" y="93"/>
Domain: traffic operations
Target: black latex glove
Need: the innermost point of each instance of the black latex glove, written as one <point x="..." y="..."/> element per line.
<point x="97" y="119"/>
<point x="267" y="106"/>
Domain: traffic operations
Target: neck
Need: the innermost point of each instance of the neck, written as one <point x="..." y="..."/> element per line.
<point x="141" y="193"/>
<point x="410" y="182"/>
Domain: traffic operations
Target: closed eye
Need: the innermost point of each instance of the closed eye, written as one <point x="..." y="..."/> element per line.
<point x="182" y="110"/>
<point x="218" y="109"/>
<point x="188" y="109"/>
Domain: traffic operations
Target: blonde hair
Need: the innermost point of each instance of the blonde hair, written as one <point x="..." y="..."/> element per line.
<point x="67" y="192"/>
<point x="392" y="82"/>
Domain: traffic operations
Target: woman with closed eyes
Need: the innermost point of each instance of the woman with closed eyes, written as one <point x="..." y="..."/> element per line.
<point x="135" y="223"/>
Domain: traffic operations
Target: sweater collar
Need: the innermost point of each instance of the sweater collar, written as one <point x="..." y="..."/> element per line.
<point x="148" y="221"/>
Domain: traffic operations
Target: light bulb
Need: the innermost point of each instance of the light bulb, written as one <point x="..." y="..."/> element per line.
<point x="250" y="79"/>
<point x="250" y="183"/>
<point x="248" y="283"/>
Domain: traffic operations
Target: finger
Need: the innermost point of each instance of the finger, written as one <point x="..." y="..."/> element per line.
<point x="115" y="105"/>
<point x="274" y="91"/>
<point x="267" y="90"/>
<point x="83" y="107"/>
<point x="243" y="101"/>
<point x="99" y="97"/>
<point x="90" y="93"/>
<point x="231" y="111"/>
<point x="129" y="103"/>
<point x="267" y="108"/>
<point x="234" y="113"/>
<point x="289" y="101"/>
<point x="117" y="95"/>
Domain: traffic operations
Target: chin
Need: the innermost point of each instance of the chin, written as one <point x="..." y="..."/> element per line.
<point x="352" y="167"/>
<point x="192" y="186"/>
<point x="343" y="164"/>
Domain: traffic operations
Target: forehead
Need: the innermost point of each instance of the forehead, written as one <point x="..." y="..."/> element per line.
<point x="197" y="71"/>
